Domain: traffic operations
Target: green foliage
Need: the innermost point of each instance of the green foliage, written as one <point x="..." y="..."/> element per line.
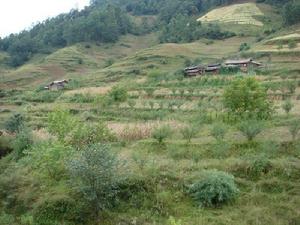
<point x="188" y="133"/>
<point x="48" y="159"/>
<point x="6" y="219"/>
<point x="260" y="165"/>
<point x="248" y="99"/>
<point x="59" y="210"/>
<point x="294" y="128"/>
<point x="244" y="47"/>
<point x="101" y="23"/>
<point x="173" y="221"/>
<point x="118" y="94"/>
<point x="85" y="134"/>
<point x="161" y="134"/>
<point x="214" y="189"/>
<point x="5" y="146"/>
<point x="14" y="123"/>
<point x="287" y="106"/>
<point x="218" y="131"/>
<point x="22" y="141"/>
<point x="131" y="103"/>
<point x="291" y="12"/>
<point x="94" y="174"/>
<point x="60" y="123"/>
<point x="251" y="128"/>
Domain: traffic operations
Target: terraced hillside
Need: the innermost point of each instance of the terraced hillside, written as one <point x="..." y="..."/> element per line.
<point x="131" y="141"/>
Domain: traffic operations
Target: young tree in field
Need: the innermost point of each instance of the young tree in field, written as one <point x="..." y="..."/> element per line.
<point x="287" y="106"/>
<point x="218" y="131"/>
<point x="250" y="128"/>
<point x="294" y="129"/>
<point x="188" y="133"/>
<point x="118" y="94"/>
<point x="94" y="172"/>
<point x="247" y="98"/>
<point x="161" y="134"/>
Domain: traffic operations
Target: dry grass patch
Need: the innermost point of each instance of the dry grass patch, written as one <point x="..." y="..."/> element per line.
<point x="238" y="14"/>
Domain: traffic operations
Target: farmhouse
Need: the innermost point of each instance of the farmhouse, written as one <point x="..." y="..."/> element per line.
<point x="242" y="64"/>
<point x="213" y="68"/>
<point x="194" y="71"/>
<point x="57" y="85"/>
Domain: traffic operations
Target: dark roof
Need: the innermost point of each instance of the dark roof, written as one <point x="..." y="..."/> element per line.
<point x="194" y="67"/>
<point x="214" y="65"/>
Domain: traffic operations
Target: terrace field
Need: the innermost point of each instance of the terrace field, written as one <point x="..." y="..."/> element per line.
<point x="121" y="95"/>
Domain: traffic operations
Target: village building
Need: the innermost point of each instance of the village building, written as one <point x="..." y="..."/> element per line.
<point x="243" y="64"/>
<point x="213" y="68"/>
<point x="56" y="85"/>
<point x="194" y="71"/>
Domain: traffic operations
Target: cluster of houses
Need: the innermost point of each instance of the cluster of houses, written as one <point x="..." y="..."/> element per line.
<point x="241" y="64"/>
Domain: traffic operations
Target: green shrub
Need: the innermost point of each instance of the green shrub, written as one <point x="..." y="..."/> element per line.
<point x="14" y="123"/>
<point x="59" y="210"/>
<point x="188" y="133"/>
<point x="22" y="142"/>
<point x="161" y="134"/>
<point x="260" y="165"/>
<point x="61" y="123"/>
<point x="292" y="44"/>
<point x="244" y="47"/>
<point x="94" y="173"/>
<point x="247" y="98"/>
<point x="294" y="128"/>
<point x="218" y="131"/>
<point x="118" y="94"/>
<point x="6" y="219"/>
<point x="86" y="134"/>
<point x="47" y="158"/>
<point x="251" y="128"/>
<point x="131" y="104"/>
<point x="5" y="146"/>
<point x="287" y="106"/>
<point x="214" y="189"/>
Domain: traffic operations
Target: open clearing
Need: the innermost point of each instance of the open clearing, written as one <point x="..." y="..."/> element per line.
<point x="238" y="14"/>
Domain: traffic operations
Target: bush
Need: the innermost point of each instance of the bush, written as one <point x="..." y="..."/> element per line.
<point x="14" y="123"/>
<point x="244" y="47"/>
<point x="287" y="106"/>
<point x="260" y="165"/>
<point x="59" y="210"/>
<point x="161" y="134"/>
<point x="86" y="134"/>
<point x="218" y="131"/>
<point x="250" y="128"/>
<point x="61" y="123"/>
<point x="292" y="44"/>
<point x="188" y="133"/>
<point x="94" y="173"/>
<point x="294" y="129"/>
<point x="214" y="189"/>
<point x="118" y="94"/>
<point x="22" y="142"/>
<point x="247" y="98"/>
<point x="5" y="146"/>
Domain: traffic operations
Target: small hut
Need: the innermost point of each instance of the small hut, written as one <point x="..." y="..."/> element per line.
<point x="194" y="71"/>
<point x="56" y="85"/>
<point x="213" y="68"/>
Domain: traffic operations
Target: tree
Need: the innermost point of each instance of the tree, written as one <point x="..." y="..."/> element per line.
<point x="118" y="94"/>
<point x="161" y="133"/>
<point x="94" y="173"/>
<point x="251" y="128"/>
<point x="14" y="123"/>
<point x="248" y="99"/>
<point x="294" y="129"/>
<point x="218" y="131"/>
<point x="188" y="133"/>
<point x="287" y="106"/>
<point x="61" y="123"/>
